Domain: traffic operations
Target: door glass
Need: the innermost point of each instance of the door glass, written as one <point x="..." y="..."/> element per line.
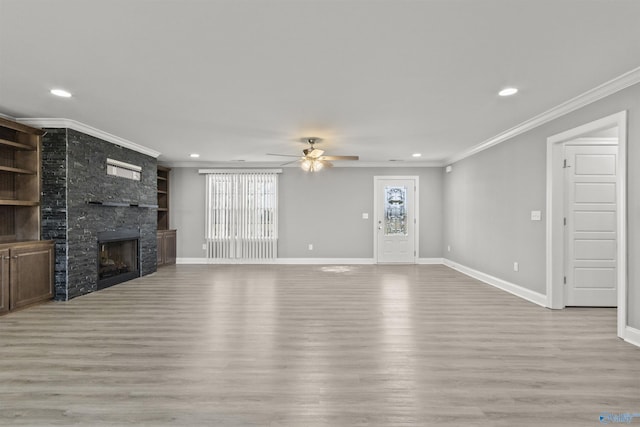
<point x="395" y="211"/>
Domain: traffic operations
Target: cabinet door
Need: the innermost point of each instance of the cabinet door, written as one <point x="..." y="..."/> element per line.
<point x="32" y="270"/>
<point x="160" y="247"/>
<point x="170" y="247"/>
<point x="4" y="281"/>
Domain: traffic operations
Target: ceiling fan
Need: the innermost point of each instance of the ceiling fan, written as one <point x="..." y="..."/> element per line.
<point x="313" y="159"/>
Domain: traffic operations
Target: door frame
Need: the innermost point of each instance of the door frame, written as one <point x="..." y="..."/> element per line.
<point x="555" y="209"/>
<point x="416" y="213"/>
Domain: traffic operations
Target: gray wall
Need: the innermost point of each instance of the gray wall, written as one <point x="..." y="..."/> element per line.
<point x="489" y="197"/>
<point x="186" y="208"/>
<point x="324" y="209"/>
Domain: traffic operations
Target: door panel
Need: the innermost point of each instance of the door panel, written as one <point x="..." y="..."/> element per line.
<point x="595" y="192"/>
<point x="594" y="221"/>
<point x="395" y="219"/>
<point x="594" y="163"/>
<point x="596" y="277"/>
<point x="591" y="226"/>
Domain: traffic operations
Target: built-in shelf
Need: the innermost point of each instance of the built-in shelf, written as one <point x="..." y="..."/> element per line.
<point x="166" y="237"/>
<point x="17" y="170"/>
<point x="10" y="202"/>
<point x="19" y="182"/>
<point x="16" y="145"/>
<point x="163" y="197"/>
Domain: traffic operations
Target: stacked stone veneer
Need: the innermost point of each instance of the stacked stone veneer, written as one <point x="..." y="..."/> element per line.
<point x="74" y="172"/>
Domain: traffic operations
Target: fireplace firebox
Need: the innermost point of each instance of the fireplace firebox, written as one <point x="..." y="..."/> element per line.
<point x="118" y="257"/>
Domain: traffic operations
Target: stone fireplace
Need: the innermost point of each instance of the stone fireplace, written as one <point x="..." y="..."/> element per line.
<point x="83" y="207"/>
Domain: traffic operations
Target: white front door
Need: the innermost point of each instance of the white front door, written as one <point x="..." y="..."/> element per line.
<point x="396" y="219"/>
<point x="590" y="231"/>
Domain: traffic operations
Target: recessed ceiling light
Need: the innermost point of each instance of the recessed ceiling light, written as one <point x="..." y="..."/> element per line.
<point x="416" y="155"/>
<point x="194" y="155"/>
<point x="508" y="91"/>
<point x="61" y="93"/>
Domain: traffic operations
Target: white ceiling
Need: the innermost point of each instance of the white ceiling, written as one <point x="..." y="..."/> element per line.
<point x="236" y="79"/>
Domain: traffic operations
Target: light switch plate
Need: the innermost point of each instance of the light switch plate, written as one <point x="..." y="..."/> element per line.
<point x="536" y="215"/>
<point x="365" y="215"/>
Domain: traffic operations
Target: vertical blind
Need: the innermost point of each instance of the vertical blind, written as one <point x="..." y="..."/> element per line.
<point x="241" y="215"/>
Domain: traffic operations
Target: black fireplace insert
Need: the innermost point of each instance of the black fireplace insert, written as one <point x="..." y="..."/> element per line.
<point x="118" y="257"/>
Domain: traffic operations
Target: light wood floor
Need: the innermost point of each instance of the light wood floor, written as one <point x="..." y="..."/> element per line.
<point x="312" y="346"/>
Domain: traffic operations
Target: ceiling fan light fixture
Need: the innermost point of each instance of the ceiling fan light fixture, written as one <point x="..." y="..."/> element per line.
<point x="312" y="165"/>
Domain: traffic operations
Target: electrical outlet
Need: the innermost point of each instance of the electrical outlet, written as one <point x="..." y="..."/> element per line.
<point x="448" y="248"/>
<point x="310" y="246"/>
<point x="204" y="246"/>
<point x="516" y="267"/>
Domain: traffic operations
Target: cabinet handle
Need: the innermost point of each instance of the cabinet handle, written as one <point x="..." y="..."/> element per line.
<point x="15" y="257"/>
<point x="6" y="257"/>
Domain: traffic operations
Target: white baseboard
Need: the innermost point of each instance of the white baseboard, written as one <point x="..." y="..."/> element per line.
<point x="217" y="261"/>
<point x="283" y="261"/>
<point x="192" y="261"/>
<point x="325" y="261"/>
<point x="632" y="335"/>
<point x="512" y="288"/>
<point x="430" y="261"/>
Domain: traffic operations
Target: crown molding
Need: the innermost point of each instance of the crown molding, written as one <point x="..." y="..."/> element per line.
<point x="89" y="130"/>
<point x="244" y="165"/>
<point x="623" y="81"/>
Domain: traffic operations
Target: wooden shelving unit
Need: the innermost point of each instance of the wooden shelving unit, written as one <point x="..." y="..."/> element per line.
<point x="19" y="182"/>
<point x="163" y="198"/>
<point x="26" y="263"/>
<point x="166" y="237"/>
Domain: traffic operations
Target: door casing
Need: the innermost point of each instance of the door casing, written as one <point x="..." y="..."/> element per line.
<point x="377" y="199"/>
<point x="555" y="210"/>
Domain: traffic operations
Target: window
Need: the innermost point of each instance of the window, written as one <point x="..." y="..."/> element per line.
<point x="241" y="215"/>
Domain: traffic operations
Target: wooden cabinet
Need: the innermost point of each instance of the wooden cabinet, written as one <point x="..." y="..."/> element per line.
<point x="26" y="263"/>
<point x="166" y="237"/>
<point x="26" y="274"/>
<point x="166" y="247"/>
<point x="4" y="280"/>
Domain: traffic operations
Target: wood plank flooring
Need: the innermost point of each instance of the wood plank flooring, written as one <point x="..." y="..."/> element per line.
<point x="298" y="345"/>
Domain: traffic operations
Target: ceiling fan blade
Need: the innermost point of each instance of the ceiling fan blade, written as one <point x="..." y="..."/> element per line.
<point x="313" y="153"/>
<point x="288" y="163"/>
<point x="282" y="155"/>
<point x="326" y="164"/>
<point x="339" y="158"/>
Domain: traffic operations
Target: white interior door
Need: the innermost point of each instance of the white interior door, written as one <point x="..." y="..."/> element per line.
<point x="590" y="231"/>
<point x="396" y="220"/>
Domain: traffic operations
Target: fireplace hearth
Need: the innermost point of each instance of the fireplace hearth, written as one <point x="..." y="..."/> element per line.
<point x="118" y="257"/>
